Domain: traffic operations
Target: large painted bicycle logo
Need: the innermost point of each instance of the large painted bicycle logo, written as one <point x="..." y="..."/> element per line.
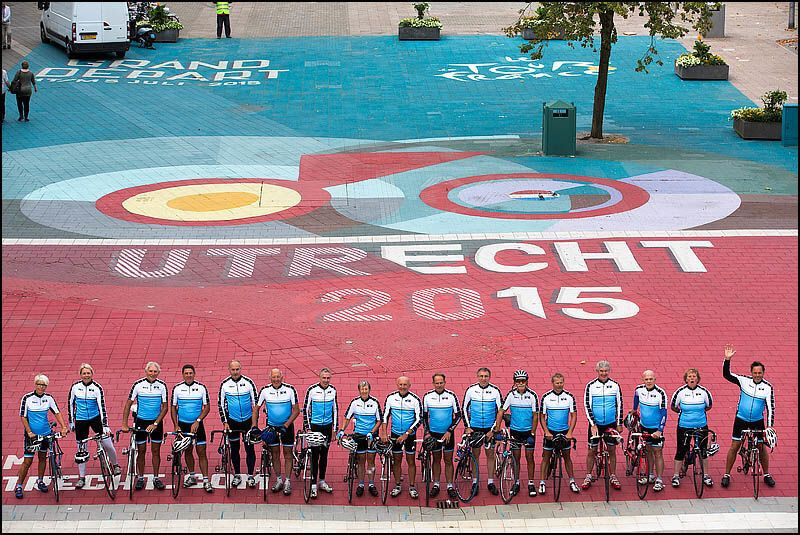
<point x="429" y="190"/>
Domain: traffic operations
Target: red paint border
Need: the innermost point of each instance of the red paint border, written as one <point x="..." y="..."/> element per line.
<point x="111" y="204"/>
<point x="436" y="196"/>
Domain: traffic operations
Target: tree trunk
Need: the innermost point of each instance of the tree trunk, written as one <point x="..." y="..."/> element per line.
<point x="606" y="30"/>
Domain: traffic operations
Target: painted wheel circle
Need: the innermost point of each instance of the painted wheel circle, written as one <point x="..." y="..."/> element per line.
<point x="212" y="201"/>
<point x="622" y="196"/>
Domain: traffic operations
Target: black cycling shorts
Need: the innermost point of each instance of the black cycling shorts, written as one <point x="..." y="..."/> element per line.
<point x="522" y="437"/>
<point x="450" y="445"/>
<point x="484" y="442"/>
<point x="548" y="444"/>
<point x="363" y="445"/>
<point x="239" y="427"/>
<point x="284" y="436"/>
<point x="28" y="443"/>
<point x="199" y="437"/>
<point x="82" y="427"/>
<point x="610" y="442"/>
<point x="740" y="425"/>
<point x="653" y="442"/>
<point x="409" y="445"/>
<point x="683" y="434"/>
<point x="155" y="437"/>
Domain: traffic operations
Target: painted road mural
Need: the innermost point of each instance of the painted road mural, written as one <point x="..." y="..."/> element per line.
<point x="382" y="208"/>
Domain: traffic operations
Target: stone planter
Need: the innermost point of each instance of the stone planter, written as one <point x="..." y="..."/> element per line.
<point x="755" y="130"/>
<point x="702" y="72"/>
<point x="530" y="33"/>
<point x="167" y="36"/>
<point x="419" y="34"/>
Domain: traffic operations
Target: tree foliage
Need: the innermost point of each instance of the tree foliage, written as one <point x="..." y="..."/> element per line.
<point x="581" y="22"/>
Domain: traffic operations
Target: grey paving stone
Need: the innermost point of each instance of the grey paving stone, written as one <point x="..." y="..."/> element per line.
<point x="31" y="515"/>
<point x="232" y="514"/>
<point x="79" y="515"/>
<point x="166" y="515"/>
<point x="54" y="516"/>
<point x="133" y="507"/>
<point x="122" y="515"/>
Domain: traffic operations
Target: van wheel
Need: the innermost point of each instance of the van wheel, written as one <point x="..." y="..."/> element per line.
<point x="70" y="49"/>
<point x="45" y="40"/>
<point x="120" y="54"/>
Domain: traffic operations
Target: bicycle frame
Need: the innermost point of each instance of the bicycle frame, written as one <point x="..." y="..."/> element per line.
<point x="177" y="468"/>
<point x="133" y="455"/>
<point x="750" y="453"/>
<point x="694" y="458"/>
<point x="226" y="464"/>
<point x="554" y="468"/>
<point x="109" y="482"/>
<point x="602" y="459"/>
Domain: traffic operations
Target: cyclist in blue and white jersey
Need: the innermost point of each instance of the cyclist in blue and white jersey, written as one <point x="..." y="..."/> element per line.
<point x="281" y="408"/>
<point x="366" y="412"/>
<point x="150" y="395"/>
<point x="691" y="402"/>
<point x="238" y="412"/>
<point x="87" y="409"/>
<point x="559" y="414"/>
<point x="321" y="413"/>
<point x="524" y="406"/>
<point x="650" y="405"/>
<point x="755" y="397"/>
<point x="190" y="405"/>
<point x="482" y="401"/>
<point x="33" y="413"/>
<point x="440" y="416"/>
<point x="405" y="410"/>
<point x="603" y="402"/>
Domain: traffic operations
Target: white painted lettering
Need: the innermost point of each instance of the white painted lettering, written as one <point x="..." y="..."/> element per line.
<point x="243" y="261"/>
<point x="220" y="65"/>
<point x="682" y="253"/>
<point x="304" y="259"/>
<point x="250" y="63"/>
<point x="574" y="260"/>
<point x="485" y="257"/>
<point x="53" y="72"/>
<point x="129" y="263"/>
<point x="102" y="73"/>
<point x="399" y="255"/>
<point x="145" y="74"/>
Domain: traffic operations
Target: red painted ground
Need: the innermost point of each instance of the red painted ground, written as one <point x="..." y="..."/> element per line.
<point x="63" y="306"/>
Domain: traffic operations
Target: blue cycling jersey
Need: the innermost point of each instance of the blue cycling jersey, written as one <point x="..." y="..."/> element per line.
<point x="754" y="398"/>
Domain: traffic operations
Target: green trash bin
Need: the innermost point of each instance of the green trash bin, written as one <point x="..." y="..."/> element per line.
<point x="559" y="128"/>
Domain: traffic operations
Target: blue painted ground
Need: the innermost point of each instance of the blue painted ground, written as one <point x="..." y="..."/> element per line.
<point x="381" y="88"/>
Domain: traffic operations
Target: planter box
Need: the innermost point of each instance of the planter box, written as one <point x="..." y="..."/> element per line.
<point x="167" y="36"/>
<point x="419" y="34"/>
<point x="754" y="130"/>
<point x="702" y="72"/>
<point x="530" y="33"/>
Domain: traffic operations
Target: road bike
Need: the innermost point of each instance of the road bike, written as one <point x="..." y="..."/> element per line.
<point x="54" y="456"/>
<point x="175" y="456"/>
<point x="556" y="466"/>
<point x="750" y="453"/>
<point x="133" y="453"/>
<point x="225" y="462"/>
<point x="266" y="461"/>
<point x="507" y="466"/>
<point x="298" y="455"/>
<point x="426" y="461"/>
<point x="305" y="454"/>
<point x="602" y="458"/>
<point x="694" y="457"/>
<point x="348" y="442"/>
<point x="636" y="460"/>
<point x="384" y="453"/>
<point x="467" y="473"/>
<point x="106" y="470"/>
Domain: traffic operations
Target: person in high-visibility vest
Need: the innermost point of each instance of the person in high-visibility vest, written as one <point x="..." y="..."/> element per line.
<point x="223" y="17"/>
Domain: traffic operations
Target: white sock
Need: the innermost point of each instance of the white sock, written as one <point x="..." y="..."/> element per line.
<point x="108" y="446"/>
<point x="82" y="469"/>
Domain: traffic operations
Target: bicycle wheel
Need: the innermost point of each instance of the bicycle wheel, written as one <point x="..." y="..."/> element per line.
<point x="556" y="466"/>
<point x="630" y="458"/>
<point x="54" y="469"/>
<point x="755" y="465"/>
<point x="467" y="477"/>
<point x="351" y="476"/>
<point x="642" y="473"/>
<point x="132" y="452"/>
<point x="427" y="476"/>
<point x="386" y="473"/>
<point x="698" y="474"/>
<point x="297" y="456"/>
<point x="508" y="476"/>
<point x="227" y="464"/>
<point x="177" y="472"/>
<point x="108" y="475"/>
<point x="264" y="472"/>
<point x="307" y="475"/>
<point x="606" y="476"/>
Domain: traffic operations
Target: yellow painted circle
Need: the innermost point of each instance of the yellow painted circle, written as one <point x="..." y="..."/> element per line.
<point x="213" y="202"/>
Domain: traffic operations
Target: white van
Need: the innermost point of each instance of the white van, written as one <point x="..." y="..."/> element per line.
<point x="86" y="26"/>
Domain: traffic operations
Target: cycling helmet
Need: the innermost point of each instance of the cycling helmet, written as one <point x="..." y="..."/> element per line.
<point x="181" y="443"/>
<point x="348" y="443"/>
<point x="429" y="443"/>
<point x="81" y="457"/>
<point x="712" y="449"/>
<point x="253" y="436"/>
<point x="520" y="374"/>
<point x="630" y="420"/>
<point x="770" y="437"/>
<point x="315" y="439"/>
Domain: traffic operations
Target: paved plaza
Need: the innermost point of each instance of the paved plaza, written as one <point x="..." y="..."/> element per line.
<point x="314" y="192"/>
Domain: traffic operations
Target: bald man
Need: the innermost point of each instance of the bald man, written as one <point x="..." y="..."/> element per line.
<point x="238" y="412"/>
<point x="405" y="410"/>
<point x="281" y="407"/>
<point x="650" y="405"/>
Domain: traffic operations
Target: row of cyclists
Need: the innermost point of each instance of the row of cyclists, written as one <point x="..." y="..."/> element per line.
<point x="438" y="412"/>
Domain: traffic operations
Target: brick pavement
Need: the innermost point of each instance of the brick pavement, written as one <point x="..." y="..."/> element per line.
<point x="392" y="174"/>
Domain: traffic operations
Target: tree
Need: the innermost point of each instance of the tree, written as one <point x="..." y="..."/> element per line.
<point x="577" y="22"/>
